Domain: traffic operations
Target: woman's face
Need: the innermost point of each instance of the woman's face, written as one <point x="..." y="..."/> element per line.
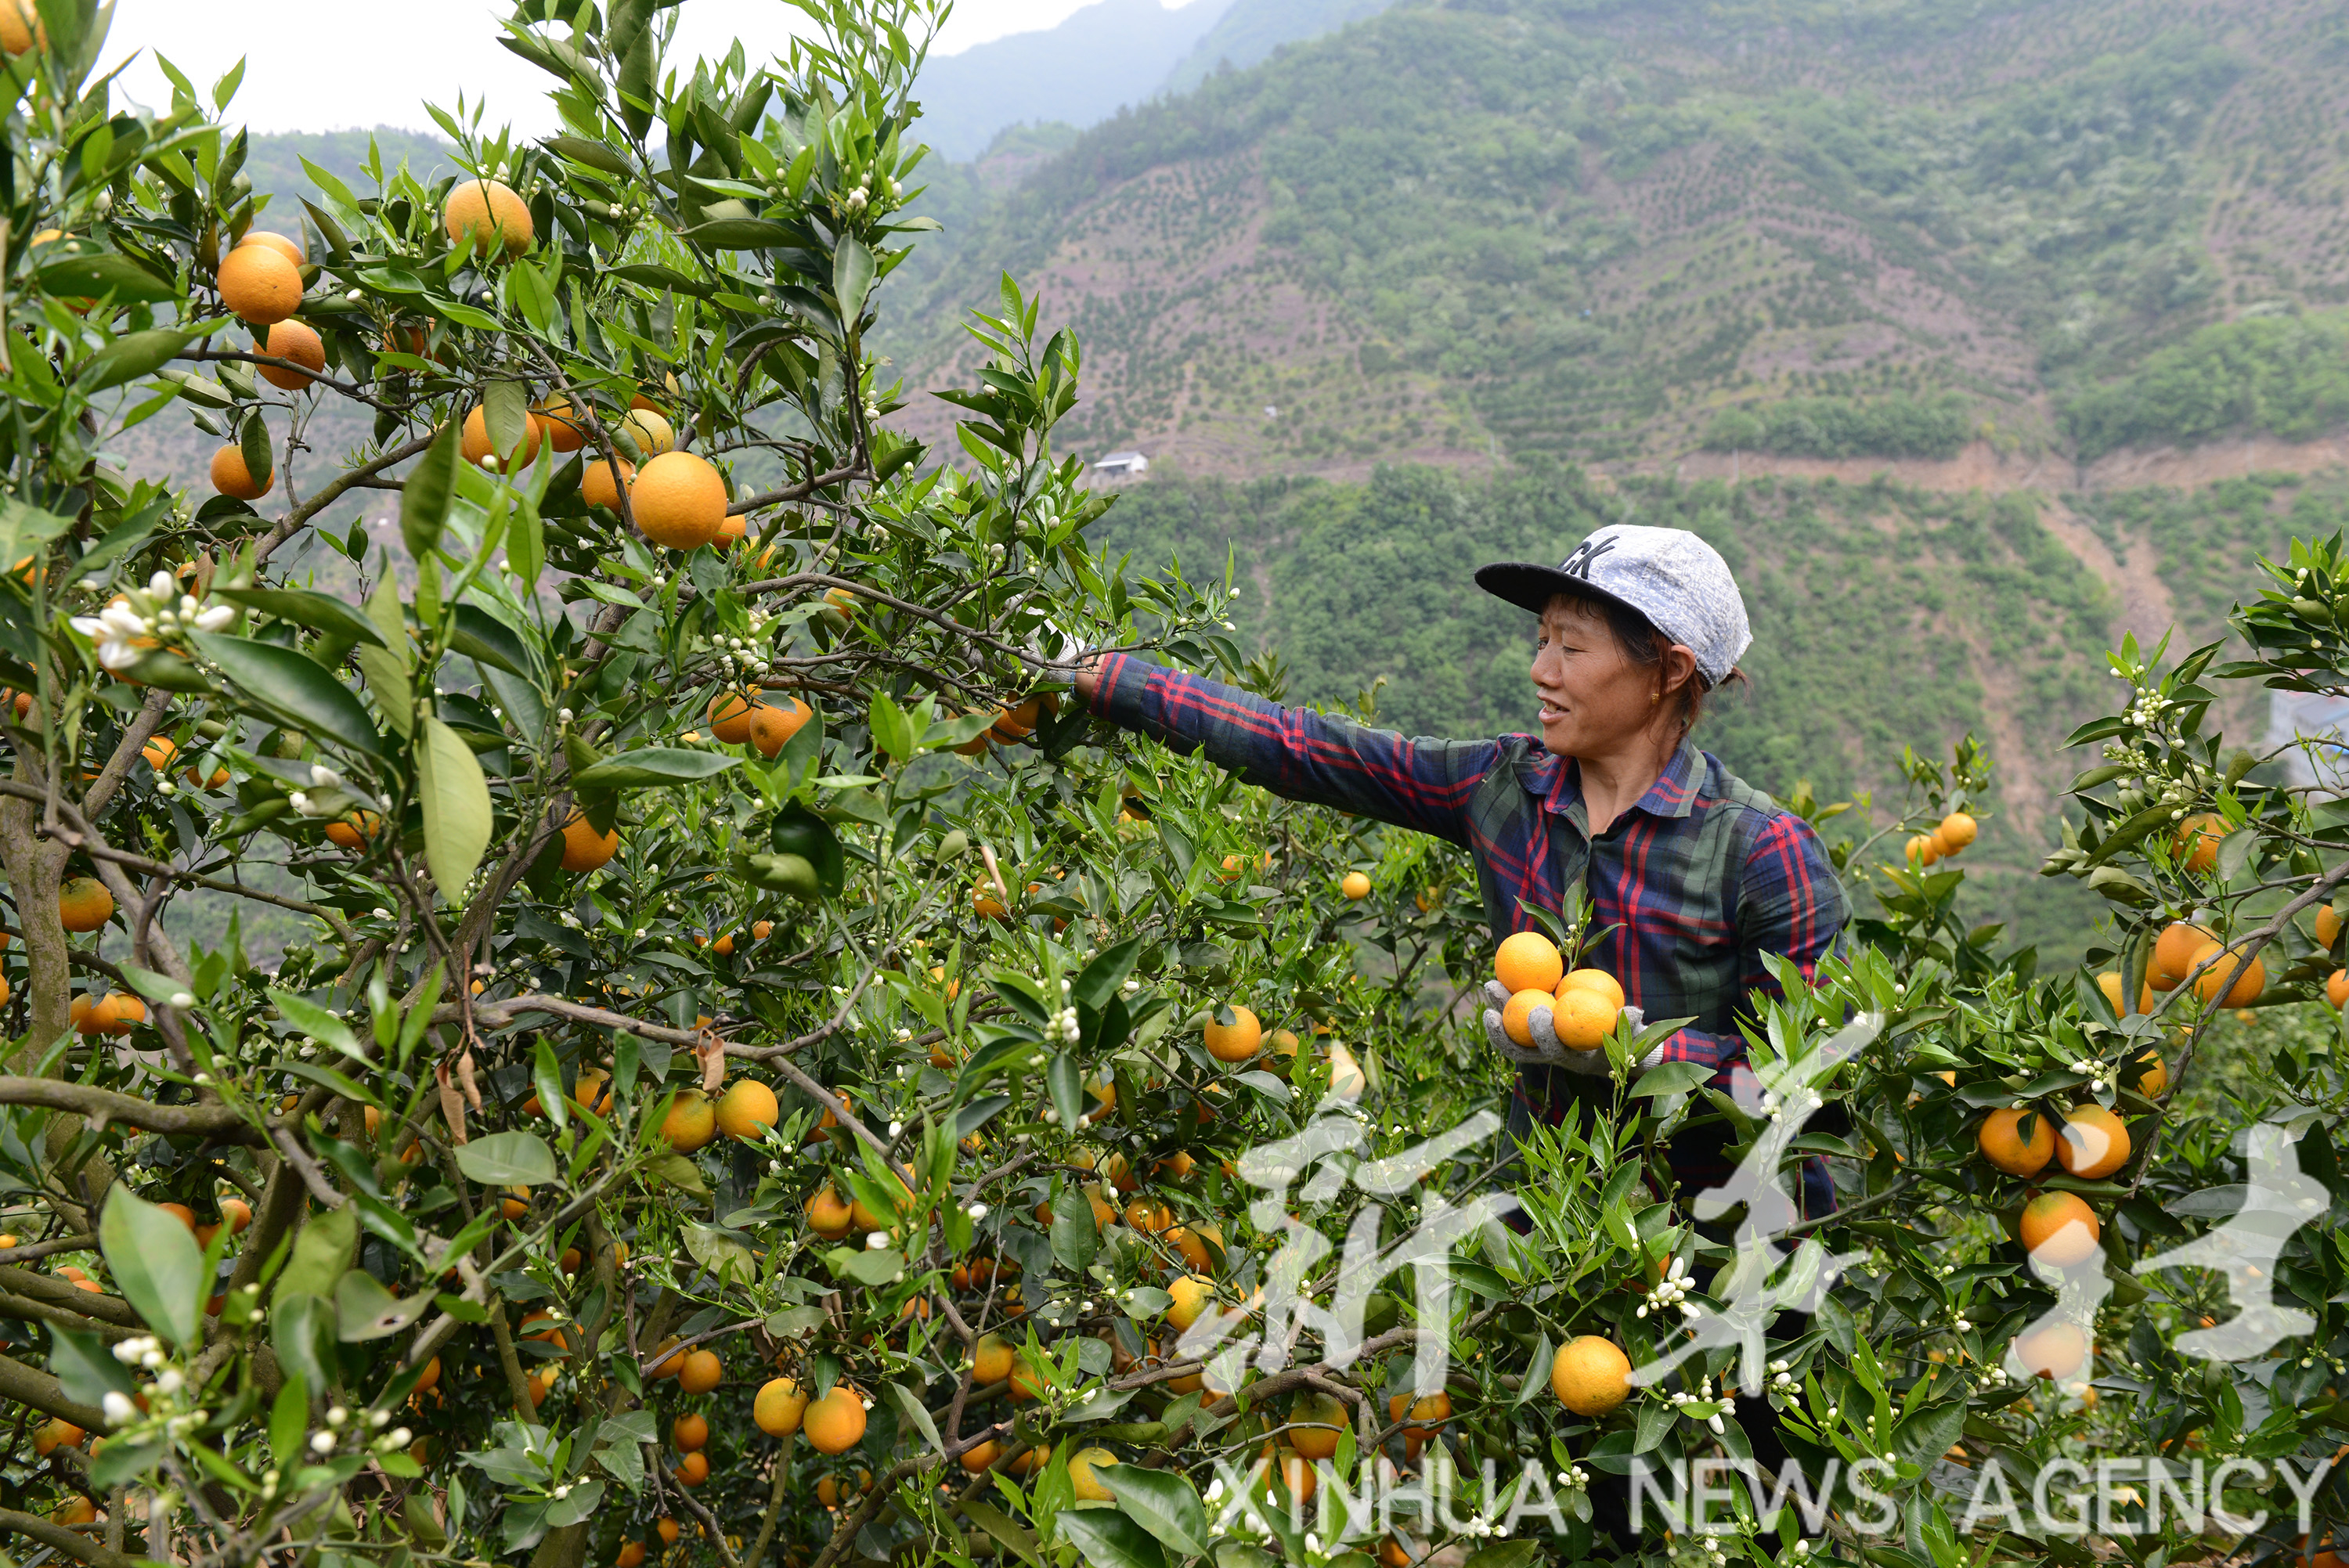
<point x="1594" y="699"/>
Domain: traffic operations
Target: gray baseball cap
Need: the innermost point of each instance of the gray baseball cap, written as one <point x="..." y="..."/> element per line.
<point x="1676" y="580"/>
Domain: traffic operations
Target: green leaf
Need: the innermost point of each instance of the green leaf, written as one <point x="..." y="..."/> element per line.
<point x="1106" y="974"/>
<point x="1109" y="1539"/>
<point x="852" y="278"/>
<point x="289" y="1421"/>
<point x="1076" y="1235"/>
<point x="364" y="1310"/>
<point x="83" y="1367"/>
<point x="106" y="272"/>
<point x="893" y="729"/>
<point x="866" y="1268"/>
<point x="1007" y="1532"/>
<point x="594" y="154"/>
<point x="424" y="500"/>
<point x="1671" y="1078"/>
<point x="740" y="234"/>
<point x="131" y="355"/>
<point x="292" y="686"/>
<point x="505" y="414"/>
<point x="716" y="1250"/>
<point x="1161" y="1501"/>
<point x="507" y="1160"/>
<point x="457" y="813"/>
<point x="158" y="1264"/>
<point x="1506" y="1555"/>
<point x="120" y="1463"/>
<point x="319" y="612"/>
<point x="909" y="1405"/>
<point x="321" y="1252"/>
<point x="652" y="766"/>
<point x="481" y="636"/>
<point x="25" y="528"/>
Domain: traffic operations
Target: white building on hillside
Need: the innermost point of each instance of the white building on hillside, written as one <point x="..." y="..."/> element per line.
<point x="1123" y="465"/>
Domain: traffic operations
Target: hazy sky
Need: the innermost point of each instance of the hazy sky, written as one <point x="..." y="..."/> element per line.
<point x="312" y="67"/>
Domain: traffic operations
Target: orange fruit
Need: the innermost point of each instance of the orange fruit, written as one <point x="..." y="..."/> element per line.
<point x="2196" y="843"/>
<point x="55" y="1433"/>
<point x="780" y="1408"/>
<point x="288" y="248"/>
<point x="259" y="285"/>
<point x="431" y="1377"/>
<point x="477" y="445"/>
<point x="583" y="850"/>
<point x="1956" y="831"/>
<point x="702" y="1372"/>
<point x="119" y="1014"/>
<point x="1922" y="849"/>
<point x="159" y="753"/>
<point x="693" y="1469"/>
<point x="772" y="726"/>
<point x="238" y="1214"/>
<point x="2093" y="1142"/>
<point x="631" y="1555"/>
<point x="487" y="216"/>
<point x="667" y="1529"/>
<point x="1529" y="961"/>
<point x="662" y="1364"/>
<point x="21" y="26"/>
<point x="1517" y="1016"/>
<point x="1082" y="1465"/>
<point x="991" y="1361"/>
<point x="76" y="1509"/>
<point x="566" y="431"/>
<point x="2059" y="1230"/>
<point x="828" y="1216"/>
<point x="1355" y="886"/>
<point x="291" y="340"/>
<point x="730" y="717"/>
<point x="2173" y="953"/>
<point x="650" y="431"/>
<point x="84" y="904"/>
<point x="1593" y="980"/>
<point x="1583" y="1018"/>
<point x="79" y="1015"/>
<point x="230" y="478"/>
<point x="1149" y="1216"/>
<point x="835" y="1423"/>
<point x="1590" y="1376"/>
<point x="2110" y="983"/>
<point x="2003" y="1146"/>
<point x="688" y="1432"/>
<point x="1028" y="1385"/>
<point x="596" y="486"/>
<point x="691" y="1122"/>
<point x="179" y="1211"/>
<point x="2232" y="978"/>
<point x="1192" y="1295"/>
<point x="2057" y="1351"/>
<point x="353" y="829"/>
<point x="2328" y="926"/>
<point x="1427" y="1415"/>
<point x="975" y="1460"/>
<point x="1315" y="1421"/>
<point x="679" y="499"/>
<point x="747" y="1110"/>
<point x="2336" y="987"/>
<point x="1238" y="1041"/>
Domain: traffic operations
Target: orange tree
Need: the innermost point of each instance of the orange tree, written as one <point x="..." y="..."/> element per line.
<point x="751" y="1074"/>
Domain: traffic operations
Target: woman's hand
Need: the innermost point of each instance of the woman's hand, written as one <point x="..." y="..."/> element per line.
<point x="1088" y="677"/>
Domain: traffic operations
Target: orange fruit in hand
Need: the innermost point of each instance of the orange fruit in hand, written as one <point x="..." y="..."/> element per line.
<point x="730" y="717"/>
<point x="1583" y="1018"/>
<point x="2173" y="953"/>
<point x="835" y="1423"/>
<point x="232" y="478"/>
<point x="1516" y="1015"/>
<point x="2003" y="1146"/>
<point x="772" y="726"/>
<point x="2059" y="1230"/>
<point x="1529" y="961"/>
<point x="2093" y="1143"/>
<point x="291" y="340"/>
<point x="583" y="849"/>
<point x="1238" y="1041"/>
<point x="596" y="486"/>
<point x="2233" y="979"/>
<point x="1594" y="980"/>
<point x="489" y="216"/>
<point x="259" y="285"/>
<point x="679" y="499"/>
<point x="780" y="1408"/>
<point x="84" y="904"/>
<point x="1590" y="1376"/>
<point x="747" y="1110"/>
<point x="702" y="1372"/>
<point x="689" y="1432"/>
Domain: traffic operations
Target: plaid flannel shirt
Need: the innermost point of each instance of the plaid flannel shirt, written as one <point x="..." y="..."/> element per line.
<point x="1698" y="881"/>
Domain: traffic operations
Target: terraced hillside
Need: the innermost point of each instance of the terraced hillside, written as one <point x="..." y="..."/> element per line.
<point x="1619" y="232"/>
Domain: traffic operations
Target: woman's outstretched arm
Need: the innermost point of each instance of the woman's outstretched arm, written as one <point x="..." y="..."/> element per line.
<point x="1294" y="752"/>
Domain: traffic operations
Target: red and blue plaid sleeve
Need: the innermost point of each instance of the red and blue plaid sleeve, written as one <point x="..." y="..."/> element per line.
<point x="1790" y="903"/>
<point x="1297" y="753"/>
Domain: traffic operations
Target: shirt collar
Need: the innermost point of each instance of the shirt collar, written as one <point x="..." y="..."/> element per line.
<point x="1674" y="794"/>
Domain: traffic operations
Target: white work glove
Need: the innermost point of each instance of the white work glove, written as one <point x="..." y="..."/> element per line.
<point x="1546" y="1048"/>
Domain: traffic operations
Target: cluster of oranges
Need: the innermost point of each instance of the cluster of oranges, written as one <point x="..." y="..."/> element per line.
<point x="1954" y="833"/>
<point x="1583" y="1004"/>
<point x="2226" y="978"/>
<point x="740" y="718"/>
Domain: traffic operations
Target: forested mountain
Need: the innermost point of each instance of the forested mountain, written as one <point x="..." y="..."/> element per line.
<point x="1618" y="232"/>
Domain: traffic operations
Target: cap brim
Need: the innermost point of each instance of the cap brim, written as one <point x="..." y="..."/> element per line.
<point x="1530" y="587"/>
